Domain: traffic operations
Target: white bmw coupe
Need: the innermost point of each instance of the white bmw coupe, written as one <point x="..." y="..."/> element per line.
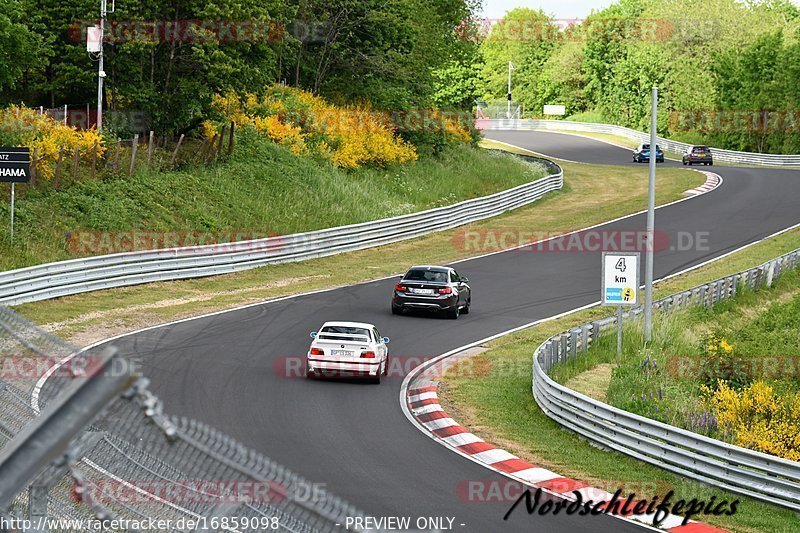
<point x="348" y="349"/>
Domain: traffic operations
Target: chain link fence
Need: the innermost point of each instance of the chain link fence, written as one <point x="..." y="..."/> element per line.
<point x="135" y="463"/>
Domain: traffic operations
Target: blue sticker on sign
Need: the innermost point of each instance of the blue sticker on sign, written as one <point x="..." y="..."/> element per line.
<point x="614" y="294"/>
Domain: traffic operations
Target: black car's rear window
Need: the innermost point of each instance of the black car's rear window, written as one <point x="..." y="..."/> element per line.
<point x="434" y="276"/>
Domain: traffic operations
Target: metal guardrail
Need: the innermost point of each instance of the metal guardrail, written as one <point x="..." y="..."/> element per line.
<point x="135" y="462"/>
<point x="710" y="461"/>
<point x="116" y="270"/>
<point x="728" y="156"/>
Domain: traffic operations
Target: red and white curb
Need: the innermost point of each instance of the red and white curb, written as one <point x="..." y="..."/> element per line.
<point x="712" y="182"/>
<point x="423" y="403"/>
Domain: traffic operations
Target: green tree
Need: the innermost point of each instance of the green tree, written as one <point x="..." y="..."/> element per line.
<point x="456" y="86"/>
<point x="526" y="38"/>
<point x="19" y="46"/>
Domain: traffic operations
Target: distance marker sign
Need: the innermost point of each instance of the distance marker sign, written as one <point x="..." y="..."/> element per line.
<point x="620" y="279"/>
<point x="15" y="165"/>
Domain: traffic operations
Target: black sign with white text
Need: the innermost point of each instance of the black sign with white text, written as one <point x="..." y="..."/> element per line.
<point x="15" y="165"/>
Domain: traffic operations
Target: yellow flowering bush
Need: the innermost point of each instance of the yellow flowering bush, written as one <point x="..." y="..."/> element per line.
<point x="26" y="127"/>
<point x="350" y="137"/>
<point x="284" y="134"/>
<point x="757" y="418"/>
<point x="208" y="129"/>
<point x="718" y="345"/>
<point x="721" y="363"/>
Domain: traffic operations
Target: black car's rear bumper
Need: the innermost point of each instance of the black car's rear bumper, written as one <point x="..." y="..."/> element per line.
<point x="405" y="301"/>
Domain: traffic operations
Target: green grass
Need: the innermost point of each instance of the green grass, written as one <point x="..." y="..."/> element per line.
<point x="760" y="324"/>
<point x="263" y="189"/>
<point x="499" y="407"/>
<point x="595" y="117"/>
<point x="589" y="197"/>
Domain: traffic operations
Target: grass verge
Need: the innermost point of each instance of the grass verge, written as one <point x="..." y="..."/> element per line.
<point x="262" y="190"/>
<point x="698" y="355"/>
<point x="588" y="198"/>
<point x="498" y="406"/>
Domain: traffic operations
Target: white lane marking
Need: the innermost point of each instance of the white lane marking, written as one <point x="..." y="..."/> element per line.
<point x="669" y="522"/>
<point x="627" y="148"/>
<point x="594" y="494"/>
<point x="437" y="360"/>
<point x="37" y="389"/>
<point x="424" y="396"/>
<point x="41" y="382"/>
<point x="425" y="409"/>
<point x="493" y="456"/>
<point x="535" y="475"/>
<point x="462" y="439"/>
<point x="440" y="423"/>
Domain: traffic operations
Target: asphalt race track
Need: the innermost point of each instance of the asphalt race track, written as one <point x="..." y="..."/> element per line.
<point x="228" y="369"/>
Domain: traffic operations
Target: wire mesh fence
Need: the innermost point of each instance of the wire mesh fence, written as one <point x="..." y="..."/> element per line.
<point x="135" y="463"/>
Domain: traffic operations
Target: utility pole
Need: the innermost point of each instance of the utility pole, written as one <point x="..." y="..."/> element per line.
<point x="101" y="74"/>
<point x="508" y="105"/>
<point x="651" y="216"/>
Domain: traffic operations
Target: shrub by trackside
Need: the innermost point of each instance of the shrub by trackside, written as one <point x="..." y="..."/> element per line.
<point x="23" y="126"/>
<point x="350" y="137"/>
<point x="757" y="417"/>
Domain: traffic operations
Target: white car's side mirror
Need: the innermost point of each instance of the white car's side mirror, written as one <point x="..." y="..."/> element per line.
<point x="313" y="334"/>
<point x="385" y="340"/>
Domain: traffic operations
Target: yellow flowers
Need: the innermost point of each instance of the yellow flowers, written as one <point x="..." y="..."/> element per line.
<point x="757" y="418"/>
<point x="715" y="345"/>
<point x="48" y="136"/>
<point x="209" y="129"/>
<point x="349" y="137"/>
<point x="283" y="134"/>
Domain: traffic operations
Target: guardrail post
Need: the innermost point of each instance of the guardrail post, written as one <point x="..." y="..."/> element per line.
<point x="585" y="337"/>
<point x="574" y="342"/>
<point x="770" y="273"/>
<point x="595" y="331"/>
<point x="562" y="352"/>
